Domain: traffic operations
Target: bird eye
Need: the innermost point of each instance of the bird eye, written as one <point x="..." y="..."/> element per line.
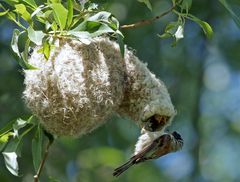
<point x="176" y="135"/>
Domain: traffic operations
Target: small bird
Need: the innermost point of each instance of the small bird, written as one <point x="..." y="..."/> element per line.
<point x="163" y="145"/>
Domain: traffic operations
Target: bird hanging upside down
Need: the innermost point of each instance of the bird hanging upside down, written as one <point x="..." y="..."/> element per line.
<point x="162" y="145"/>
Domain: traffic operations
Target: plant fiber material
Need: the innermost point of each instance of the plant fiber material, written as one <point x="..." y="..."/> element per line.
<point x="81" y="85"/>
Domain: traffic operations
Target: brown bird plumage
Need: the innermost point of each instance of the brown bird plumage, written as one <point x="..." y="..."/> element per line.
<point x="161" y="146"/>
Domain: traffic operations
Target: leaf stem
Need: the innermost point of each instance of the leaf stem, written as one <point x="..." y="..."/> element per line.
<point x="13" y="19"/>
<point x="36" y="177"/>
<point x="148" y="21"/>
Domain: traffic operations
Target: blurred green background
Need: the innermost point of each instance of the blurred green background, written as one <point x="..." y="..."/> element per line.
<point x="203" y="78"/>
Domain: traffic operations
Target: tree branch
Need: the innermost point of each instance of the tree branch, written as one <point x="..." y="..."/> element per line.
<point x="36" y="177"/>
<point x="148" y="21"/>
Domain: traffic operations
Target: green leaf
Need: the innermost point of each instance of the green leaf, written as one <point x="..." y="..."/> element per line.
<point x="186" y="4"/>
<point x="35" y="36"/>
<point x="38" y="10"/>
<point x="79" y="34"/>
<point x="14" y="145"/>
<point x="70" y="14"/>
<point x="25" y="53"/>
<point x="33" y="120"/>
<point x="173" y="30"/>
<point x="147" y="3"/>
<point x="4" y="139"/>
<point x="3" y="13"/>
<point x="11" y="16"/>
<point x="165" y="35"/>
<point x="172" y="27"/>
<point x="22" y="10"/>
<point x="207" y="29"/>
<point x="103" y="29"/>
<point x="81" y="27"/>
<point x="46" y="49"/>
<point x="102" y="16"/>
<point x="54" y="26"/>
<point x="114" y="24"/>
<point x="32" y="3"/>
<point x="55" y="1"/>
<point x="20" y="123"/>
<point x="14" y="42"/>
<point x="24" y="59"/>
<point x="60" y="14"/>
<point x="47" y="26"/>
<point x="11" y="2"/>
<point x="11" y="163"/>
<point x="234" y="12"/>
<point x="37" y="142"/>
<point x="170" y="30"/>
<point x="93" y="26"/>
<point x="118" y="32"/>
<point x="8" y="127"/>
<point x="121" y="44"/>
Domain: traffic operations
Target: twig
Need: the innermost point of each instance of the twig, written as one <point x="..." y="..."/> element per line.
<point x="147" y="21"/>
<point x="36" y="177"/>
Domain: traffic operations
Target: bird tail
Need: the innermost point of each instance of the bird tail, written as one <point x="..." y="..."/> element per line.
<point x="122" y="168"/>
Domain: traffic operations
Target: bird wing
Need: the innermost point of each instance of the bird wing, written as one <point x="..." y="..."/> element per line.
<point x="140" y="157"/>
<point x="147" y="151"/>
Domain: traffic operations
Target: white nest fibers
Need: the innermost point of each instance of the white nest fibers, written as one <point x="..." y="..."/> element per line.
<point x="81" y="85"/>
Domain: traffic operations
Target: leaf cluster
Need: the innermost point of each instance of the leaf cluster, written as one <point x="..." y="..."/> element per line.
<point x="175" y="29"/>
<point x="181" y="8"/>
<point x="41" y="23"/>
<point x="12" y="138"/>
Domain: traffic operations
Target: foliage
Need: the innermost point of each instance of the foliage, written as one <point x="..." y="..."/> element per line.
<point x="68" y="19"/>
<point x="84" y="21"/>
<point x="39" y="24"/>
<point x="12" y="138"/>
<point x="42" y="23"/>
<point x="176" y="29"/>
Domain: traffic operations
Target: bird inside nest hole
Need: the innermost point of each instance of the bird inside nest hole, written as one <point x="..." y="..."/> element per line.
<point x="156" y="122"/>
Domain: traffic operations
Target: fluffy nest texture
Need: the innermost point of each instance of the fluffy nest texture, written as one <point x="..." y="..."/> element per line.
<point x="81" y="85"/>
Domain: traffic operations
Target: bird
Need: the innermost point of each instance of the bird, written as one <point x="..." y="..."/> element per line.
<point x="164" y="144"/>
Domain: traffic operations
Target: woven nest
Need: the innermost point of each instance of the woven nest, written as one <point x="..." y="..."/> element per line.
<point x="81" y="85"/>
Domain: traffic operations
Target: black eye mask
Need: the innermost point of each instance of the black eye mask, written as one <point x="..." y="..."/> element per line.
<point x="156" y="123"/>
<point x="177" y="136"/>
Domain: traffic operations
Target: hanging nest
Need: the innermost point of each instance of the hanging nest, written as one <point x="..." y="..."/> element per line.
<point x="81" y="85"/>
